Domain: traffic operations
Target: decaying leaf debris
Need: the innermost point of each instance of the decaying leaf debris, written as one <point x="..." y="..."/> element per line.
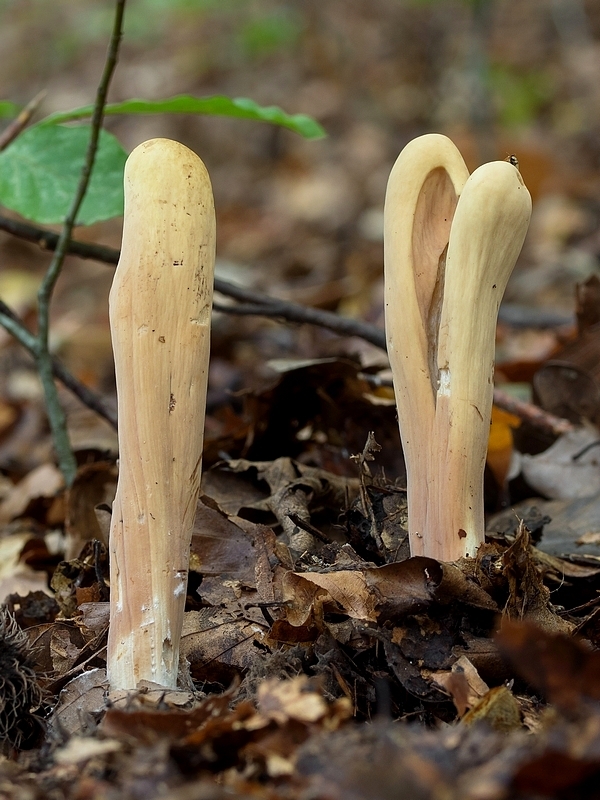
<point x="317" y="658"/>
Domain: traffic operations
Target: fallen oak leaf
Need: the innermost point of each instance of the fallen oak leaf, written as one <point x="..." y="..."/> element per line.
<point x="553" y="772"/>
<point x="293" y="488"/>
<point x="83" y="748"/>
<point x="379" y="593"/>
<point x="44" y="483"/>
<point x="463" y="683"/>
<point x="148" y="725"/>
<point x="283" y="700"/>
<point x="219" y="644"/>
<point x="82" y="699"/>
<point x="568" y="469"/>
<point x="348" y="588"/>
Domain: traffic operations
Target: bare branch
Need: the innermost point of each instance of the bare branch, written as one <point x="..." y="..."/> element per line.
<point x="66" y="458"/>
<point x="11" y="322"/>
<point x="263" y="305"/>
<point x="12" y="130"/>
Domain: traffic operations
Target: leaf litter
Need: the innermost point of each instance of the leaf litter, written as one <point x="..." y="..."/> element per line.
<point x="318" y="660"/>
<point x="402" y="684"/>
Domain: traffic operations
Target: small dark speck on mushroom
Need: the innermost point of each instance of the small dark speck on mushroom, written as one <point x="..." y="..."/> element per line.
<point x="462" y="534"/>
<point x="172" y="403"/>
<point x="161" y="339"/>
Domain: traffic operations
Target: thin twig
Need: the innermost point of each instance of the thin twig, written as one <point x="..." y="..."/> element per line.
<point x="13" y="129"/>
<point x="293" y="312"/>
<point x="11" y="322"/>
<point x="267" y="306"/>
<point x="47" y="240"/>
<point x="534" y="415"/>
<point x="56" y="415"/>
<point x="261" y="304"/>
<point x="244" y="310"/>
<point x="527" y="412"/>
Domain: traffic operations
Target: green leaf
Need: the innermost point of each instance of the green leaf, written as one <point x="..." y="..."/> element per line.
<point x="8" y="109"/>
<point x="217" y="105"/>
<point x="40" y="171"/>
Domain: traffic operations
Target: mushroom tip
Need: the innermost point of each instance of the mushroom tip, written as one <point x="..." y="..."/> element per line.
<point x="502" y="179"/>
<point x="164" y="152"/>
<point x="499" y="170"/>
<point x="429" y="144"/>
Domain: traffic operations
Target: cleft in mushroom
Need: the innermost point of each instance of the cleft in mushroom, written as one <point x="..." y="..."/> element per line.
<point x="451" y="243"/>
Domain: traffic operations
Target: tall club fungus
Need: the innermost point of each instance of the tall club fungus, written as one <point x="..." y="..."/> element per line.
<point x="160" y="305"/>
<point x="451" y="242"/>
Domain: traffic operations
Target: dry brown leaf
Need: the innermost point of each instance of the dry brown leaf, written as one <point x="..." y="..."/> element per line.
<point x="563" y="668"/>
<point x="82" y="699"/>
<point x="292" y="489"/>
<point x="80" y="749"/>
<point x="63" y="650"/>
<point x="379" y="593"/>
<point x="294" y="699"/>
<point x="94" y="484"/>
<point x="528" y="596"/>
<point x="499" y="708"/>
<point x="45" y="481"/>
<point x="560" y="472"/>
<point x="349" y="589"/>
<point x="8" y="415"/>
<point x="463" y="683"/>
<point x="220" y="547"/>
<point x="95" y="616"/>
<point x="302" y="598"/>
<point x="219" y="644"/>
<point x="149" y="719"/>
<point x="16" y="578"/>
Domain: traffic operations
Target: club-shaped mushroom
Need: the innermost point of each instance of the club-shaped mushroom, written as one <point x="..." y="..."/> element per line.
<point x="451" y="242"/>
<point x="160" y="306"/>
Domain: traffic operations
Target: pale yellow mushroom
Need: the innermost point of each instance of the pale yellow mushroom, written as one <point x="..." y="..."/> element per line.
<point x="486" y="237"/>
<point x="422" y="193"/>
<point x="450" y="246"/>
<point x="160" y="306"/>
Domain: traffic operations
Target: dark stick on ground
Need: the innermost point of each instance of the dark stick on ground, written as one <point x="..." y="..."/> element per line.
<point x="267" y="306"/>
<point x="87" y="396"/>
<point x="252" y="302"/>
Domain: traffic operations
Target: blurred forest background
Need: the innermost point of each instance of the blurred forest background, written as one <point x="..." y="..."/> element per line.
<point x="304" y="220"/>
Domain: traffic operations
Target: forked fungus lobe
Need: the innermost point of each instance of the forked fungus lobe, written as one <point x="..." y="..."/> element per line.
<point x="451" y="242"/>
<point x="160" y="305"/>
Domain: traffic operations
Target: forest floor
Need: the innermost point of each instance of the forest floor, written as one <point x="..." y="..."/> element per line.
<point x="318" y="659"/>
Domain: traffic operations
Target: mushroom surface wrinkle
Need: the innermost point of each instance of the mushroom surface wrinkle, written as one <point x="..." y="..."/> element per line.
<point x="160" y="306"/>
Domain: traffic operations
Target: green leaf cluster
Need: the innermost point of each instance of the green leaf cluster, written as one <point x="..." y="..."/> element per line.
<point x="40" y="169"/>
